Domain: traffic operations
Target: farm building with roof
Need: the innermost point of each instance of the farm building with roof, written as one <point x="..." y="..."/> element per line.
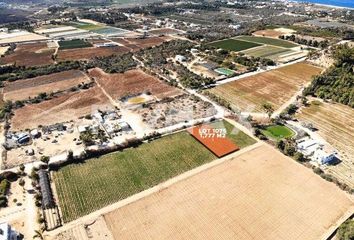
<point x="47" y="196"/>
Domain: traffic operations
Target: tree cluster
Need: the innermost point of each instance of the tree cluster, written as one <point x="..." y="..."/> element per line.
<point x="337" y="83"/>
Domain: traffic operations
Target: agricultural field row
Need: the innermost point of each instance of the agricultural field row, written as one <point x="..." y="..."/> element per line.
<point x="274" y="87"/>
<point x="89" y="186"/>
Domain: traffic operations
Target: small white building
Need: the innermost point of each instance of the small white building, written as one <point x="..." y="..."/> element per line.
<point x="318" y="152"/>
<point x="7" y="233"/>
<point x="180" y="58"/>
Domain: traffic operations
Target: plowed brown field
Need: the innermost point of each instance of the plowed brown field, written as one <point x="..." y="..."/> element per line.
<point x="60" y="109"/>
<point x="261" y="194"/>
<point x="30" y="54"/>
<point x="24" y="89"/>
<point x="88" y="53"/>
<point x="136" y="44"/>
<point x="275" y="87"/>
<point x="132" y="82"/>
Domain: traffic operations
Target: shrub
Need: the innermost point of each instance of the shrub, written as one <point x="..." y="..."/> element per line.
<point x="346" y="230"/>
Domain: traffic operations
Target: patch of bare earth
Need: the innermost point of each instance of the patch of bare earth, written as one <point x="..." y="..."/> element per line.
<point x="30" y="54"/>
<point x="132" y="82"/>
<point x="64" y="108"/>
<point x="136" y="44"/>
<point x="260" y="194"/>
<point x="29" y="88"/>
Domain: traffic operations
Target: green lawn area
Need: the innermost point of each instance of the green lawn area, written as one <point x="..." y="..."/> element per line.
<point x="234" y="45"/>
<point x="85" y="187"/>
<point x="278" y="132"/>
<point x="270" y="41"/>
<point x="71" y="44"/>
<point x="224" y="71"/>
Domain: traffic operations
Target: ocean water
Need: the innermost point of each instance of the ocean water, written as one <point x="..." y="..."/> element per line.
<point x="339" y="3"/>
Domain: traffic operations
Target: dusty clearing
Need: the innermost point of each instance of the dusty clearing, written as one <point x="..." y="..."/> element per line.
<point x="33" y="54"/>
<point x="268" y="33"/>
<point x="88" y="53"/>
<point x="335" y="124"/>
<point x="61" y="109"/>
<point x="275" y="87"/>
<point x="3" y="50"/>
<point x="260" y="194"/>
<point x="24" y="89"/>
<point x="169" y="112"/>
<point x="132" y="82"/>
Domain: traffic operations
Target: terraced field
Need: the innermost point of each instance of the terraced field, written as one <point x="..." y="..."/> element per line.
<point x="269" y="41"/>
<point x="275" y="87"/>
<point x="335" y="123"/>
<point x="83" y="188"/>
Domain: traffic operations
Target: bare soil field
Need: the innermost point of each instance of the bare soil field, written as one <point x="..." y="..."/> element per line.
<point x="136" y="44"/>
<point x="60" y="109"/>
<point x="88" y="53"/>
<point x="31" y="54"/>
<point x="335" y="123"/>
<point x="261" y="194"/>
<point x="132" y="82"/>
<point x="28" y="88"/>
<point x="275" y="87"/>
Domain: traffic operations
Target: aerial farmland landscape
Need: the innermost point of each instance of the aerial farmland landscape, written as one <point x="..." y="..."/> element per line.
<point x="176" y="120"/>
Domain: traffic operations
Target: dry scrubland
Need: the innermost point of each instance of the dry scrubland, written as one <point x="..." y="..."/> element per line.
<point x="260" y="194"/>
<point x="136" y="44"/>
<point x="29" y="88"/>
<point x="165" y="31"/>
<point x="60" y="109"/>
<point x="30" y="54"/>
<point x="335" y="123"/>
<point x="275" y="87"/>
<point x="88" y="53"/>
<point x="132" y="82"/>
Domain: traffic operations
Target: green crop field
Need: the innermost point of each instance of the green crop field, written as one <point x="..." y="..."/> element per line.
<point x="234" y="45"/>
<point x="270" y="41"/>
<point x="278" y="132"/>
<point x="86" y="187"/>
<point x="266" y="51"/>
<point x="71" y="44"/>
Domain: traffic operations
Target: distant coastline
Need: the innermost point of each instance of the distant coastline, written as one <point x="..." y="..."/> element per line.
<point x="331" y="3"/>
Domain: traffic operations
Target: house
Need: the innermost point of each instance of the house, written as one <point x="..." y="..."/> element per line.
<point x="180" y="58"/>
<point x="325" y="155"/>
<point x="321" y="153"/>
<point x="7" y="233"/>
<point x="35" y="133"/>
<point x="23" y="138"/>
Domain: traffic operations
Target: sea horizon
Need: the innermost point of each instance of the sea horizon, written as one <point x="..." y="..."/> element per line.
<point x="335" y="3"/>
